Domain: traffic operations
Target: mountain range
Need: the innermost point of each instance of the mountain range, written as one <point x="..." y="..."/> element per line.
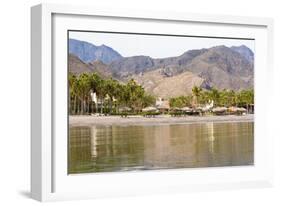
<point x="220" y="67"/>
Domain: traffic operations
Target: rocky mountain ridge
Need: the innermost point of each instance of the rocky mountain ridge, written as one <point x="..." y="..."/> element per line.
<point x="220" y="67"/>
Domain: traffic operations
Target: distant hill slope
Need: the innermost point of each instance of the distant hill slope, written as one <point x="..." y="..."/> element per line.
<point x="221" y="67"/>
<point x="158" y="84"/>
<point x="77" y="66"/>
<point x="88" y="52"/>
<point x="127" y="66"/>
<point x="100" y="68"/>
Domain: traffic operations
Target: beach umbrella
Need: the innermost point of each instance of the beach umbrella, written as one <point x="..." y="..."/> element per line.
<point x="149" y="109"/>
<point x="219" y="109"/>
<point x="237" y="109"/>
<point x="241" y="109"/>
<point x="205" y="109"/>
<point x="233" y="109"/>
<point x="186" y="109"/>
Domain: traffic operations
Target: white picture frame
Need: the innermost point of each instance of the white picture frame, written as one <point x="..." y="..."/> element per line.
<point x="49" y="181"/>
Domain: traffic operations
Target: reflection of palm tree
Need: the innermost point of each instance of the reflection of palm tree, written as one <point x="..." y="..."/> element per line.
<point x="94" y="141"/>
<point x="211" y="137"/>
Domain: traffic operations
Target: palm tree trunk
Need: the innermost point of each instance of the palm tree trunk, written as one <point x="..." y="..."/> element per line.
<point x="116" y="106"/>
<point x="101" y="106"/>
<point x="88" y="106"/>
<point x="110" y="106"/>
<point x="96" y="105"/>
<point x="70" y="105"/>
<point x="78" y="106"/>
<point x="82" y="106"/>
<point x="74" y="105"/>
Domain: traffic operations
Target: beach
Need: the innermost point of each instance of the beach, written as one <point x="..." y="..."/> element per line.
<point x="88" y="120"/>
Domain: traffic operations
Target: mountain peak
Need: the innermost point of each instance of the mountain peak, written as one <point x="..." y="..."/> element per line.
<point x="104" y="46"/>
<point x="89" y="52"/>
<point x="220" y="47"/>
<point x="243" y="46"/>
<point x="245" y="52"/>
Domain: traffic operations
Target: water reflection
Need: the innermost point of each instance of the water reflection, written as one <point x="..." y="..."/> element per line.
<point x="120" y="148"/>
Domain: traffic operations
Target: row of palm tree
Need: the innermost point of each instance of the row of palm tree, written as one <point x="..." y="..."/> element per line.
<point x="226" y="98"/>
<point x="110" y="95"/>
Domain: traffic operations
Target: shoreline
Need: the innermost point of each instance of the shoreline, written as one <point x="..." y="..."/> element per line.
<point x="87" y="120"/>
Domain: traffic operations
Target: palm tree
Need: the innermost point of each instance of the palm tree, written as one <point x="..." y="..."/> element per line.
<point x="101" y="92"/>
<point x="223" y="98"/>
<point x="83" y="91"/>
<point x="94" y="82"/>
<point x="148" y="100"/>
<point x="111" y="91"/>
<point x="205" y="97"/>
<point x="245" y="98"/>
<point x="72" y="93"/>
<point x="196" y="91"/>
<point x="215" y="96"/>
<point x="137" y="94"/>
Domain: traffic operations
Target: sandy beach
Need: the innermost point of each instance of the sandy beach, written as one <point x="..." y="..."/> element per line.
<point x="83" y="120"/>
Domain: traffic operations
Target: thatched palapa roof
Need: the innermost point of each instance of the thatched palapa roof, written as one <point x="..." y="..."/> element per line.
<point x="186" y="109"/>
<point x="219" y="109"/>
<point x="237" y="109"/>
<point x="149" y="109"/>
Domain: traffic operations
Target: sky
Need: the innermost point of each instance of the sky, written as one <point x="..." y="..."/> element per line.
<point x="153" y="45"/>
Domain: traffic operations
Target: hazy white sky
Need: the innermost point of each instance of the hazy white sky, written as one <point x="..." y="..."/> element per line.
<point x="154" y="46"/>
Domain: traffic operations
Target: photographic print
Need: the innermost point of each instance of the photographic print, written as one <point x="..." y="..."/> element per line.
<point x="158" y="101"/>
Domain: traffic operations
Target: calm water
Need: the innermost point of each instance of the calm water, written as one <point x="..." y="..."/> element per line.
<point x="123" y="148"/>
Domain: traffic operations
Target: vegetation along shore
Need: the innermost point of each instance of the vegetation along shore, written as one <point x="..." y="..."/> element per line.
<point x="89" y="94"/>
